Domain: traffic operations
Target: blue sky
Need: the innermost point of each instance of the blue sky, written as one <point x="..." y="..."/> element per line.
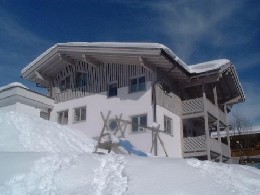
<point x="196" y="30"/>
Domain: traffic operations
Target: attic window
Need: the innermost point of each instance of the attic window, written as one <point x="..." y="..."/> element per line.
<point x="65" y="84"/>
<point x="81" y="79"/>
<point x="112" y="91"/>
<point x="137" y="84"/>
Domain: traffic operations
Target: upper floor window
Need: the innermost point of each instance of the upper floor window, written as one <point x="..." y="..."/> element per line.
<point x="137" y="84"/>
<point x="167" y="125"/>
<point x="63" y="117"/>
<point x="112" y="90"/>
<point x="139" y="122"/>
<point x="80" y="114"/>
<point x="80" y="79"/>
<point x="65" y="84"/>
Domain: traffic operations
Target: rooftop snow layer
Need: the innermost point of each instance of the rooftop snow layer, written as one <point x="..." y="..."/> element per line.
<point x="208" y="66"/>
<point x="11" y="85"/>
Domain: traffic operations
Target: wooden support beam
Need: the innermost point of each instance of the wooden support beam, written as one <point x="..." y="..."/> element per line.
<point x="66" y="60"/>
<point x="200" y="81"/>
<point x="206" y="123"/>
<point x="145" y="64"/>
<point x="218" y="125"/>
<point x="227" y="130"/>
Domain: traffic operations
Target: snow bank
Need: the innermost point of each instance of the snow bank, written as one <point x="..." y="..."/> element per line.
<point x="41" y="157"/>
<point x="20" y="133"/>
<point x="11" y="85"/>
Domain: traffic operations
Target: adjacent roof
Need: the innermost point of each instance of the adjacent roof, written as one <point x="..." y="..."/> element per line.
<point x="153" y="55"/>
<point x="11" y="85"/>
<point x="16" y="92"/>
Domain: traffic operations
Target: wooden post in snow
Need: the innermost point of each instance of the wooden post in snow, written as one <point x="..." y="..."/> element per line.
<point x="218" y="126"/>
<point x="206" y="119"/>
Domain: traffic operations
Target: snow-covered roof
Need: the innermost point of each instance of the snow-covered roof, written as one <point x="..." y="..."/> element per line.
<point x="11" y="85"/>
<point x="155" y="55"/>
<point x="208" y="66"/>
<point x="107" y="45"/>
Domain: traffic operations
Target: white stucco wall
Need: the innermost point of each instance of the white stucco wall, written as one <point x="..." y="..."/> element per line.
<point x="128" y="104"/>
<point x="173" y="144"/>
<point x="8" y="108"/>
<point x="125" y="103"/>
<point x="22" y="108"/>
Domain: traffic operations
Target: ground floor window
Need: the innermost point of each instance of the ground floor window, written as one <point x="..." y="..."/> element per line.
<point x="63" y="117"/>
<point x="167" y="125"/>
<point x="139" y="122"/>
<point x="80" y="114"/>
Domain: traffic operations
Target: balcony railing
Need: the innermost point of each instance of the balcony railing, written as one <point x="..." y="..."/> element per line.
<point x="193" y="106"/>
<point x="194" y="144"/>
<point x="72" y="94"/>
<point x="198" y="144"/>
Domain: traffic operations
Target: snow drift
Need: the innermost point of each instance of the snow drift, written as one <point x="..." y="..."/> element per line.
<point x="41" y="157"/>
<point x="24" y="133"/>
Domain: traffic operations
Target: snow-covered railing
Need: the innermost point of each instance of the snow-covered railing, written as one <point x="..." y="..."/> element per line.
<point x="194" y="144"/>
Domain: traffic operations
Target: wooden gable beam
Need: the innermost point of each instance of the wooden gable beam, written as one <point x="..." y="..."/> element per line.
<point x="199" y="81"/>
<point x="66" y="60"/>
<point x="90" y="60"/>
<point x="145" y="64"/>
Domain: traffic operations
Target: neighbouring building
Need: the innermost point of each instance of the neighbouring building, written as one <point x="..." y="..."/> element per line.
<point x="146" y="83"/>
<point x="17" y="97"/>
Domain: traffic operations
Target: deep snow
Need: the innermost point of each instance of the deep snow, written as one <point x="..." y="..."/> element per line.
<point x="41" y="157"/>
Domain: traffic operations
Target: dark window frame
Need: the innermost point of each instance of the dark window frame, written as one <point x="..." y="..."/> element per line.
<point x="141" y="118"/>
<point x="137" y="84"/>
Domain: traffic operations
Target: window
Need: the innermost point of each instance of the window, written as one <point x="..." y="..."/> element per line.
<point x="140" y="120"/>
<point x="112" y="90"/>
<point x="44" y="115"/>
<point x="65" y="84"/>
<point x="165" y="88"/>
<point x="63" y="117"/>
<point x="137" y="84"/>
<point x="167" y="125"/>
<point x="80" y="114"/>
<point x="80" y="79"/>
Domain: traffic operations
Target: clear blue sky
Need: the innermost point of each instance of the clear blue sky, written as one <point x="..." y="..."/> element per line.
<point x="196" y="30"/>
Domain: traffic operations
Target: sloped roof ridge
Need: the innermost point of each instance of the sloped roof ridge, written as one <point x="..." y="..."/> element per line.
<point x="11" y="85"/>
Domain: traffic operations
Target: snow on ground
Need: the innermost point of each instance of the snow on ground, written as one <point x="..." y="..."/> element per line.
<point x="41" y="157"/>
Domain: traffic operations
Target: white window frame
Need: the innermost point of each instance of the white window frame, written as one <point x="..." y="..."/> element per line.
<point x="63" y="121"/>
<point x="138" y="84"/>
<point x="165" y="125"/>
<point x="139" y="129"/>
<point x="80" y="114"/>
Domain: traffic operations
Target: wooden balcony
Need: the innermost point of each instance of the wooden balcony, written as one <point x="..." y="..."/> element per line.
<point x="72" y="94"/>
<point x="195" y="107"/>
<point x="196" y="146"/>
